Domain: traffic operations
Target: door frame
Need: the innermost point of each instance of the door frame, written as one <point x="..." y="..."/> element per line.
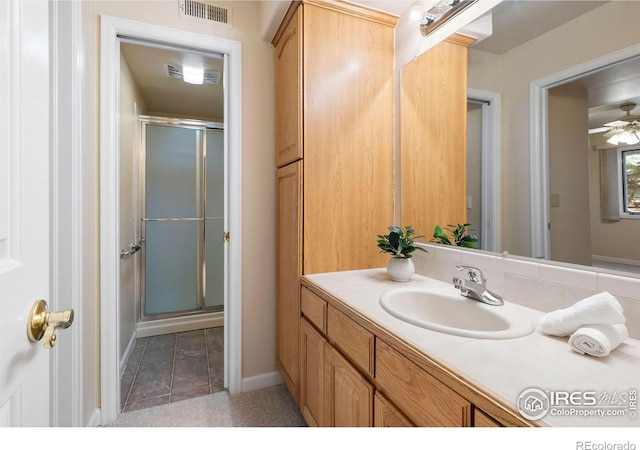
<point x="112" y="29"/>
<point x="491" y="167"/>
<point x="67" y="252"/>
<point x="539" y="142"/>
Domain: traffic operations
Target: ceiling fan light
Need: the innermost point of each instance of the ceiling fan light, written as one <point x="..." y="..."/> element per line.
<point x="613" y="140"/>
<point x="630" y="138"/>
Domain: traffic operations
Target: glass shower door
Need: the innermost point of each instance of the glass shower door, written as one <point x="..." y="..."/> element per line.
<point x="214" y="223"/>
<point x="173" y="219"/>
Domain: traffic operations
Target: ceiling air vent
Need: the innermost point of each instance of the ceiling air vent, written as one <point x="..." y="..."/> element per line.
<point x="175" y="71"/>
<point x="207" y="12"/>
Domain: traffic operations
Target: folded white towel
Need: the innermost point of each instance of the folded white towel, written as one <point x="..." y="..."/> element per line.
<point x="598" y="340"/>
<point x="599" y="309"/>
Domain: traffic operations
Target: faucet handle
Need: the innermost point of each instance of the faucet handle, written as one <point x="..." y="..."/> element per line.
<point x="473" y="273"/>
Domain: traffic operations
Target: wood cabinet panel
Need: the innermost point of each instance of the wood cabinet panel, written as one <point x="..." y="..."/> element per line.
<point x="312" y="359"/>
<point x="348" y="394"/>
<point x="289" y="93"/>
<point x="314" y="309"/>
<point x="385" y="414"/>
<point x="288" y="272"/>
<point x="348" y="139"/>
<point x="433" y="144"/>
<point x="481" y="419"/>
<point x="425" y="400"/>
<point x="352" y="339"/>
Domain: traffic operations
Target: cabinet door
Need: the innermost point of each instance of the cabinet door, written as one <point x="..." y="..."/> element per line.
<point x="348" y="139"/>
<point x="482" y="419"/>
<point x="312" y="357"/>
<point x="288" y="271"/>
<point x="348" y="394"/>
<point x="422" y="397"/>
<point x="386" y="414"/>
<point x="289" y="93"/>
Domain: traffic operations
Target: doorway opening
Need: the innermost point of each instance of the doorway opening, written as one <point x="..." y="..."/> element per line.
<point x="544" y="195"/>
<point x="118" y="335"/>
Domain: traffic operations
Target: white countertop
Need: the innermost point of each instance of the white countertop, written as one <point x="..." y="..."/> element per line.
<point x="504" y="367"/>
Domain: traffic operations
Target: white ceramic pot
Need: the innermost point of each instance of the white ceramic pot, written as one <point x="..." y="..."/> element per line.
<point x="400" y="269"/>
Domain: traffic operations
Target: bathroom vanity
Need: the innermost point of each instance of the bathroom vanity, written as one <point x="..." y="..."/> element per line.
<point x="360" y="366"/>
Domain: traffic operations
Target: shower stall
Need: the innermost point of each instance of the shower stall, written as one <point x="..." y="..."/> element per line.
<point x="182" y="213"/>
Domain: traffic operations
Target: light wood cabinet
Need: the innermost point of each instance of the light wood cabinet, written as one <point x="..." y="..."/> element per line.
<point x="312" y="366"/>
<point x="433" y="145"/>
<point x="334" y="97"/>
<point x="289" y="92"/>
<point x="334" y="107"/>
<point x="424" y="399"/>
<point x="333" y="392"/>
<point x="385" y="414"/>
<point x="352" y="339"/>
<point x="348" y="394"/>
<point x="482" y="419"/>
<point x="289" y="269"/>
<point x="314" y="309"/>
<point x="354" y="373"/>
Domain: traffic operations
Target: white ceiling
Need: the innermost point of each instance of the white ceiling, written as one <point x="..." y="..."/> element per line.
<point x="514" y="22"/>
<point x="172" y="96"/>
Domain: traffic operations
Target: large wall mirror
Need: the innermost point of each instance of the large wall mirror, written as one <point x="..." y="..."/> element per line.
<point x="560" y="70"/>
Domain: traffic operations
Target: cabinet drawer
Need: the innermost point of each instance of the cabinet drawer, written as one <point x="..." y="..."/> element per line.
<point x="426" y="401"/>
<point x="352" y="339"/>
<point x="314" y="309"/>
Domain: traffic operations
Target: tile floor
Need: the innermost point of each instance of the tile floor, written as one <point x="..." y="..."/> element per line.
<point x="169" y="368"/>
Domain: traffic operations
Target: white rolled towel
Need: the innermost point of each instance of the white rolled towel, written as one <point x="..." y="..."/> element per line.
<point x="598" y="340"/>
<point x="599" y="309"/>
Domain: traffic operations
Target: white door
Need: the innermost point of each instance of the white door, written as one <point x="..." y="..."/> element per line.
<point x="24" y="208"/>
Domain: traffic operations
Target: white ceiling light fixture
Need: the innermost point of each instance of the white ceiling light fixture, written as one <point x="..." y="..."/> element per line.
<point x="193" y="75"/>
<point x="625" y="130"/>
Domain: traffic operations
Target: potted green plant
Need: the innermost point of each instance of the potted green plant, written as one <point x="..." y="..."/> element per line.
<point x="460" y="234"/>
<point x="400" y="244"/>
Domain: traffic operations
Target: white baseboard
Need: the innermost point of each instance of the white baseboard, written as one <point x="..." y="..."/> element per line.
<point x="261" y="381"/>
<point x="179" y="324"/>
<point x="127" y="352"/>
<point x="96" y="419"/>
<point x="627" y="262"/>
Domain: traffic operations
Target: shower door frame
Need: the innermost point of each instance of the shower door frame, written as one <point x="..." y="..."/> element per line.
<point x="201" y="200"/>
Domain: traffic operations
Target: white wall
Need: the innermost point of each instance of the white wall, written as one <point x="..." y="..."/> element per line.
<point x="569" y="177"/>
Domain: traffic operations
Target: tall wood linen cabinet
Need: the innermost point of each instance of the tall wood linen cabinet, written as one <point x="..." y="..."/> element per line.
<point x="334" y="152"/>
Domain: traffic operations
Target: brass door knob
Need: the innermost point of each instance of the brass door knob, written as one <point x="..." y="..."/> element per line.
<point x="43" y="323"/>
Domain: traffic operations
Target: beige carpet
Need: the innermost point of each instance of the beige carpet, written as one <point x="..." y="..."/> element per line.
<point x="269" y="407"/>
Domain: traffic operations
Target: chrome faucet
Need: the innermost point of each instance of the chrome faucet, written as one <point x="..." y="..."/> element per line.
<point x="475" y="286"/>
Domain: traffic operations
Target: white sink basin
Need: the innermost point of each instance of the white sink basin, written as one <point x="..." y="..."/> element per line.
<point x="446" y="311"/>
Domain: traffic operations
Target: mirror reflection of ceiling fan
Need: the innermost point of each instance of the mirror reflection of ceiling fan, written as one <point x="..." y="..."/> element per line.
<point x="625" y="130"/>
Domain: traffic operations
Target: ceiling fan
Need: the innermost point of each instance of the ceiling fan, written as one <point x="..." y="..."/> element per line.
<point x="625" y="130"/>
